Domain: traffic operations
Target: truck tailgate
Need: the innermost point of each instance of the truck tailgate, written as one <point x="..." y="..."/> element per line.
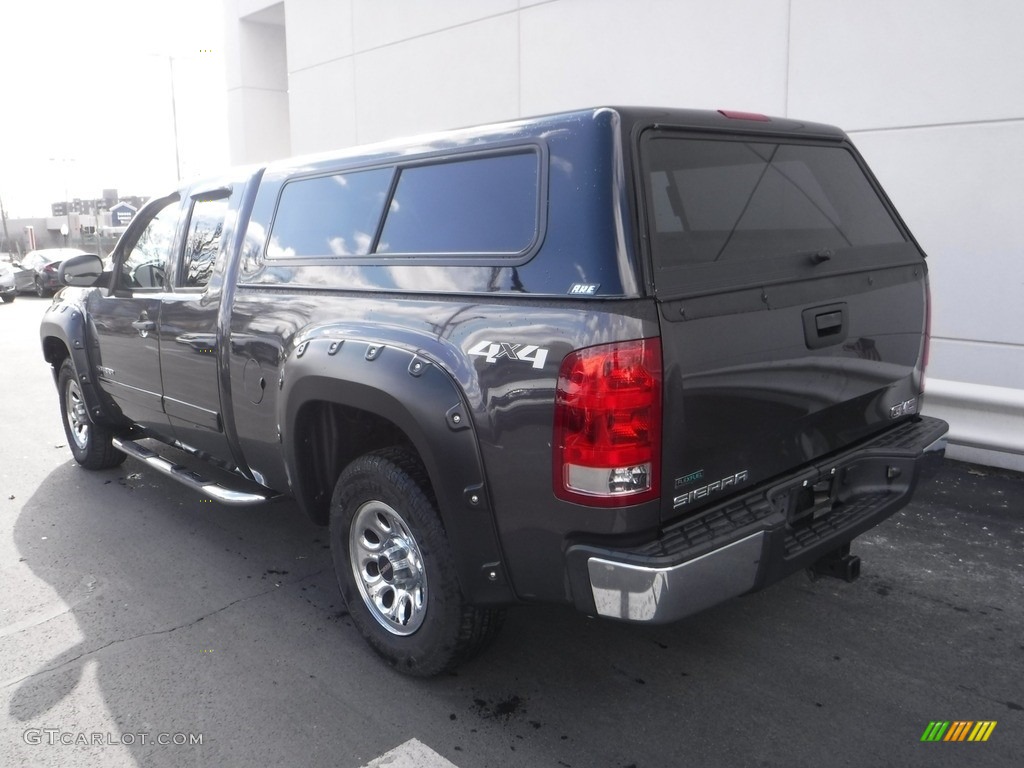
<point x="793" y="306"/>
<point x="761" y="383"/>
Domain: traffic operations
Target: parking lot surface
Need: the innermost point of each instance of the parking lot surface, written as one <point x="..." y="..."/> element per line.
<point x="137" y="619"/>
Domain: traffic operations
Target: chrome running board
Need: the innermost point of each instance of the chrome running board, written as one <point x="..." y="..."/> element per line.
<point x="191" y="478"/>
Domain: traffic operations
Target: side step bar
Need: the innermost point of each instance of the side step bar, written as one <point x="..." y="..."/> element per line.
<point x="193" y="480"/>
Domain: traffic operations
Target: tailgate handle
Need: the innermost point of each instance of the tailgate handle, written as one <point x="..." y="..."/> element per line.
<point x="829" y="323"/>
<point x="825" y="326"/>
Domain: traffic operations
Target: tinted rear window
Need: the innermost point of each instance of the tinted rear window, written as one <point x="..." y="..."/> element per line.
<point x="479" y="205"/>
<point x="721" y="202"/>
<point x="329" y="216"/>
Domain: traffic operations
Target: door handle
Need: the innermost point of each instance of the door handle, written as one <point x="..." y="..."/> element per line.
<point x="143" y="325"/>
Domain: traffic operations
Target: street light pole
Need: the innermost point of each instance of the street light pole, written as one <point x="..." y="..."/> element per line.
<point x="67" y="202"/>
<point x="174" y="119"/>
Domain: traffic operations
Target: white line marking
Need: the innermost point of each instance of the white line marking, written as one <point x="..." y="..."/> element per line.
<point x="413" y="754"/>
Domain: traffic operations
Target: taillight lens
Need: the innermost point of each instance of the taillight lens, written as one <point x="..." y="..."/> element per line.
<point x="607" y="440"/>
<point x="51" y="267"/>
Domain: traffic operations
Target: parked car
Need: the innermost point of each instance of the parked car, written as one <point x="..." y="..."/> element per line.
<point x="23" y="277"/>
<point x="44" y="264"/>
<point x="8" y="287"/>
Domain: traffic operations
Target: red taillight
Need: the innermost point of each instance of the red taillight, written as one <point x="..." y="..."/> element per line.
<point x="607" y="440"/>
<point x="51" y="267"/>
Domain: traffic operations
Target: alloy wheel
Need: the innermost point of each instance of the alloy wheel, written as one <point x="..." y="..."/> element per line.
<point x="388" y="568"/>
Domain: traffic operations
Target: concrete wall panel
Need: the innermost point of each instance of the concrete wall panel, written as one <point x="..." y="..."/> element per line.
<point x="322" y="104"/>
<point x="882" y="63"/>
<point x="378" y="24"/>
<point x="319" y="31"/>
<point x="269" y="111"/>
<point x="462" y="76"/>
<point x="728" y="54"/>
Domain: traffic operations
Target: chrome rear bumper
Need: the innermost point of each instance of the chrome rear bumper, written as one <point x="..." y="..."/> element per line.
<point x="757" y="537"/>
<point x="638" y="593"/>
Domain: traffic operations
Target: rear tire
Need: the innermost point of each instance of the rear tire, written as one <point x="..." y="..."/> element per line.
<point x="41" y="292"/>
<point x="10" y="297"/>
<point x="90" y="443"/>
<point x="395" y="567"/>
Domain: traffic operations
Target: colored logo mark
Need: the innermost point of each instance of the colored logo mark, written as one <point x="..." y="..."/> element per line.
<point x="958" y="730"/>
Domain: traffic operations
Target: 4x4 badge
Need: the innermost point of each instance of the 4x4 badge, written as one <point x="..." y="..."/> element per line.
<point x="492" y="351"/>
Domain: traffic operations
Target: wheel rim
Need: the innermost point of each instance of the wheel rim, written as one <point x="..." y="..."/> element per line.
<point x="388" y="568"/>
<point x="77" y="415"/>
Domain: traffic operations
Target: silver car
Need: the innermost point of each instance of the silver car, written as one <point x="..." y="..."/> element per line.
<point x="24" y="278"/>
<point x="8" y="288"/>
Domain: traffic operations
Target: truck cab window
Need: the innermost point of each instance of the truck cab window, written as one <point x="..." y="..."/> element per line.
<point x="145" y="264"/>
<point x="203" y="242"/>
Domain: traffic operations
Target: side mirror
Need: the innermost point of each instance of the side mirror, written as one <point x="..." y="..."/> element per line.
<point x="81" y="271"/>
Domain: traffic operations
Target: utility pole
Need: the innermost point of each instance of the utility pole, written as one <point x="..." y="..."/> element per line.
<point x="66" y="228"/>
<point x="3" y="215"/>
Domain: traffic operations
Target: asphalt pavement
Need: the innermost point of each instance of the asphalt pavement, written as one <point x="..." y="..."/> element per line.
<point x="134" y="613"/>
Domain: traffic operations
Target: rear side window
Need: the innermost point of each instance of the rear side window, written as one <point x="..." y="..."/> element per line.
<point x="484" y="204"/>
<point x="720" y="201"/>
<point x="329" y="216"/>
<point x="479" y="205"/>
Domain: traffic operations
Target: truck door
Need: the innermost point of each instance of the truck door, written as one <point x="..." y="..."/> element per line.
<point x="189" y="341"/>
<point x="126" y="321"/>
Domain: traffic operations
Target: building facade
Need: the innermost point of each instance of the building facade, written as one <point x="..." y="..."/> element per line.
<point x="931" y="91"/>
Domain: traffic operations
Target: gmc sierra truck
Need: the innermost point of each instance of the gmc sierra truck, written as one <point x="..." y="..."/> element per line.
<point x="637" y="361"/>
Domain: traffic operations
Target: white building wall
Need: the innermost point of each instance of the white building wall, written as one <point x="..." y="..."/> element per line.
<point x="932" y="92"/>
<point x="257" y="80"/>
<point x="721" y="54"/>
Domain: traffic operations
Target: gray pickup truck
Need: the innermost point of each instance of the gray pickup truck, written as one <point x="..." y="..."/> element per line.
<point x="637" y="361"/>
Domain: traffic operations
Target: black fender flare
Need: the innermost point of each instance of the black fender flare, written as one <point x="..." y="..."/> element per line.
<point x="65" y="325"/>
<point x="412" y="391"/>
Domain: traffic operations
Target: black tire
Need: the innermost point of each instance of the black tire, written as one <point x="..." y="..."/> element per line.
<point x="10" y="297"/>
<point x="419" y="622"/>
<point x="90" y="443"/>
<point x="41" y="292"/>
